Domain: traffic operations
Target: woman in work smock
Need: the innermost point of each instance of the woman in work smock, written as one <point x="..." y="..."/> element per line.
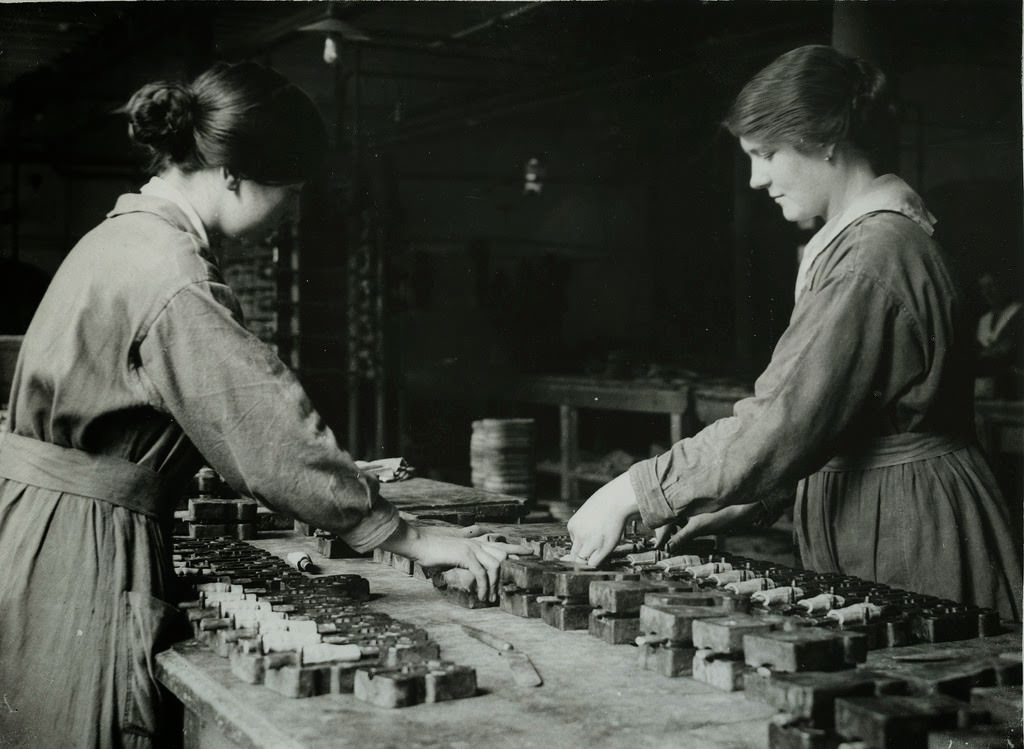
<point x="866" y="405"/>
<point x="134" y="371"/>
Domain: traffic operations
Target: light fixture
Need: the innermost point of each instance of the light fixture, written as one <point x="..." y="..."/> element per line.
<point x="335" y="30"/>
<point x="330" y="50"/>
<point x="533" y="176"/>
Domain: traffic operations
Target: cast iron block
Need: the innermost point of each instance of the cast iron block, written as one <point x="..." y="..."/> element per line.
<point x="667" y="659"/>
<point x="615" y="629"/>
<point x="721" y="672"/>
<point x="810" y="696"/>
<point x="898" y="721"/>
<point x="806" y="649"/>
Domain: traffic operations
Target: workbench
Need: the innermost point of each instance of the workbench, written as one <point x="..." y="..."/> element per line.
<point x="594" y="695"/>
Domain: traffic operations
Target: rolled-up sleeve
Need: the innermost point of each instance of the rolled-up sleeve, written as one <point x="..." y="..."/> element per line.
<point x="251" y="419"/>
<point x="830" y="375"/>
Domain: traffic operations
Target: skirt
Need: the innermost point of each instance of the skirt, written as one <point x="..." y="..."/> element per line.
<point x="937" y="526"/>
<point x="82" y="602"/>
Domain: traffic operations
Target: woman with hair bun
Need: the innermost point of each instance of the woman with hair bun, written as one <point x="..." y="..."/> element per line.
<point x="864" y="412"/>
<point x="137" y="369"/>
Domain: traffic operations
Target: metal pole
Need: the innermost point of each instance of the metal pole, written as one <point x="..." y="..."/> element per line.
<point x="15" y="186"/>
<point x="354" y="235"/>
<point x="743" y="351"/>
<point x="381" y="379"/>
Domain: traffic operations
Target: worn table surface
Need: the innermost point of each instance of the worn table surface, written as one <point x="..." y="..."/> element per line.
<point x="429" y="498"/>
<point x="594" y="695"/>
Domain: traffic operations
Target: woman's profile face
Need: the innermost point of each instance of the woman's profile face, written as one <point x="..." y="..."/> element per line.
<point x="799" y="183"/>
<point x="257" y="208"/>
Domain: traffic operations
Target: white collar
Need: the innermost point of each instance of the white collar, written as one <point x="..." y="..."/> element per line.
<point x="885" y="193"/>
<point x="161" y="188"/>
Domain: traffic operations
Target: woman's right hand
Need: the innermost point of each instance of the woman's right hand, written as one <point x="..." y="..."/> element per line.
<point x="482" y="558"/>
<point x="597" y="525"/>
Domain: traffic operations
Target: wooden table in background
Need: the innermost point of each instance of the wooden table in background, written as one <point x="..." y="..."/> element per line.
<point x="1000" y="426"/>
<point x="687" y="402"/>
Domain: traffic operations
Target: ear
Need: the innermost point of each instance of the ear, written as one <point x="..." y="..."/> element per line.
<point x="232" y="181"/>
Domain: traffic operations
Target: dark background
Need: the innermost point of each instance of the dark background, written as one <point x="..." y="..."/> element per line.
<point x="644" y="250"/>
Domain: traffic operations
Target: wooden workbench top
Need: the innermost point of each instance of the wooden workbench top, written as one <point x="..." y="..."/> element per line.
<point x="594" y="695"/>
<point x="426" y="497"/>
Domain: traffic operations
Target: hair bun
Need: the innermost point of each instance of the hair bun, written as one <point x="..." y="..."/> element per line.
<point x="160" y="116"/>
<point x="869" y="86"/>
<point x="873" y="109"/>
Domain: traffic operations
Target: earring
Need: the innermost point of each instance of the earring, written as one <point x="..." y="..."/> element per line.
<point x="232" y="179"/>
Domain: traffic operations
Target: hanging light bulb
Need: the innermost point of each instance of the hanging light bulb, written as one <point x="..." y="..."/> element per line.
<point x="330" y="50"/>
<point x="336" y="31"/>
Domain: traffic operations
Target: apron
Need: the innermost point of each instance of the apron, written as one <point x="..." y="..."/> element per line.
<point x="921" y="512"/>
<point x="85" y="573"/>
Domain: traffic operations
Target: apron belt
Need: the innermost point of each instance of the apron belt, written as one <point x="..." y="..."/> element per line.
<point x="70" y="471"/>
<point x="897" y="449"/>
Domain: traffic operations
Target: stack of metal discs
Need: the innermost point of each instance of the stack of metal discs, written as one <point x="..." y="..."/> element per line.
<point x="501" y="456"/>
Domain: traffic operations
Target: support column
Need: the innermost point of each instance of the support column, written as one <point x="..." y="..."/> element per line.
<point x="863" y="30"/>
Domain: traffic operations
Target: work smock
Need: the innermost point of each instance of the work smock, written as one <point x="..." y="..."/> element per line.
<point x="866" y="410"/>
<point x="135" y="370"/>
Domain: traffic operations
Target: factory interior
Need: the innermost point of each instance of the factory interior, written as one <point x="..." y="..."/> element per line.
<point x="529" y="272"/>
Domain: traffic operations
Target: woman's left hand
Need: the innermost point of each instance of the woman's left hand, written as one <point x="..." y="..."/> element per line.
<point x="674" y="535"/>
<point x="597" y="526"/>
<point x="441" y="552"/>
<point x="458" y="531"/>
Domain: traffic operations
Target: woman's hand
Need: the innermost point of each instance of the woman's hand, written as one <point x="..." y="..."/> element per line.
<point x="481" y="558"/>
<point x="458" y="531"/>
<point x="672" y="536"/>
<point x="596" y="527"/>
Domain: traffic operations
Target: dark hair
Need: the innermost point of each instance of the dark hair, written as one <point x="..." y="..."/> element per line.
<point x="813" y="96"/>
<point x="242" y="116"/>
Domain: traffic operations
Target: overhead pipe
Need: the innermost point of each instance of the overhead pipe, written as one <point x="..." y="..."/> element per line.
<point x="456" y="116"/>
<point x="434" y="51"/>
<point x="500" y="18"/>
<point x="335" y="27"/>
<point x="518" y="102"/>
<point x="433" y="77"/>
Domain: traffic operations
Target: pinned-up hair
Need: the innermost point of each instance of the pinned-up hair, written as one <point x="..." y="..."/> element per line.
<point x="244" y="116"/>
<point x="813" y="96"/>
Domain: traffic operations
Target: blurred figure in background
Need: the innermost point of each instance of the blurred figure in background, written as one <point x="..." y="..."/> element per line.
<point x="1000" y="341"/>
